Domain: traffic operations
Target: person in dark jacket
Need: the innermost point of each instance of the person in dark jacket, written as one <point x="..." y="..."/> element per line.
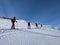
<point x="41" y="25"/>
<point x="36" y="25"/>
<point x="13" y="20"/>
<point x="29" y="25"/>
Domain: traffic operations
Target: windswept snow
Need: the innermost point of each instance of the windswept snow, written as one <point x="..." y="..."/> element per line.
<point x="46" y="35"/>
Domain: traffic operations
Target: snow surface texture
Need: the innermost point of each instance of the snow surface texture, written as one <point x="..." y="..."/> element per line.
<point x="47" y="35"/>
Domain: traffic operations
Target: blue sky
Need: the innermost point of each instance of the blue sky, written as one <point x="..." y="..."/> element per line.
<point x="40" y="11"/>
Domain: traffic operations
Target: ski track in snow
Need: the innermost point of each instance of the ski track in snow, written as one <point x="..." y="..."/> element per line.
<point x="41" y="33"/>
<point x="35" y="31"/>
<point x="6" y="32"/>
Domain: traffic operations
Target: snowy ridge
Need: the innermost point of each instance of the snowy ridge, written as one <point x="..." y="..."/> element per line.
<point x="45" y="35"/>
<point x="6" y="24"/>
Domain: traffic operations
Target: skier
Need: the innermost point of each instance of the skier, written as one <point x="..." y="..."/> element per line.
<point x="41" y="25"/>
<point x="13" y="20"/>
<point x="36" y="25"/>
<point x="28" y="25"/>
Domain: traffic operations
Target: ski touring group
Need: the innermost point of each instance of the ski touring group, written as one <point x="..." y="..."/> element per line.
<point x="13" y="20"/>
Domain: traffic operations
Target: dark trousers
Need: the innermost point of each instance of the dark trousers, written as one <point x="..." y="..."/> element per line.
<point x="13" y="25"/>
<point x="29" y="25"/>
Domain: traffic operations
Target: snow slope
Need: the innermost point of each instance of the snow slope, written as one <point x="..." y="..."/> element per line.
<point x="23" y="36"/>
<point x="6" y="24"/>
<point x="29" y="37"/>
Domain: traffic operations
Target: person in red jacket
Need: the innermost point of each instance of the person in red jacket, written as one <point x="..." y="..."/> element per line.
<point x="13" y="20"/>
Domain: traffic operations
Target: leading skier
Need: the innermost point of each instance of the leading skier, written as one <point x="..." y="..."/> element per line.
<point x="13" y="20"/>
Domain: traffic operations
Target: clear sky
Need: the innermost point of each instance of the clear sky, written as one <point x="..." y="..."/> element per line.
<point x="41" y="11"/>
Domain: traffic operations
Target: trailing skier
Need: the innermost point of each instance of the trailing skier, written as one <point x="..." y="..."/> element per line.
<point x="41" y="25"/>
<point x="29" y="25"/>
